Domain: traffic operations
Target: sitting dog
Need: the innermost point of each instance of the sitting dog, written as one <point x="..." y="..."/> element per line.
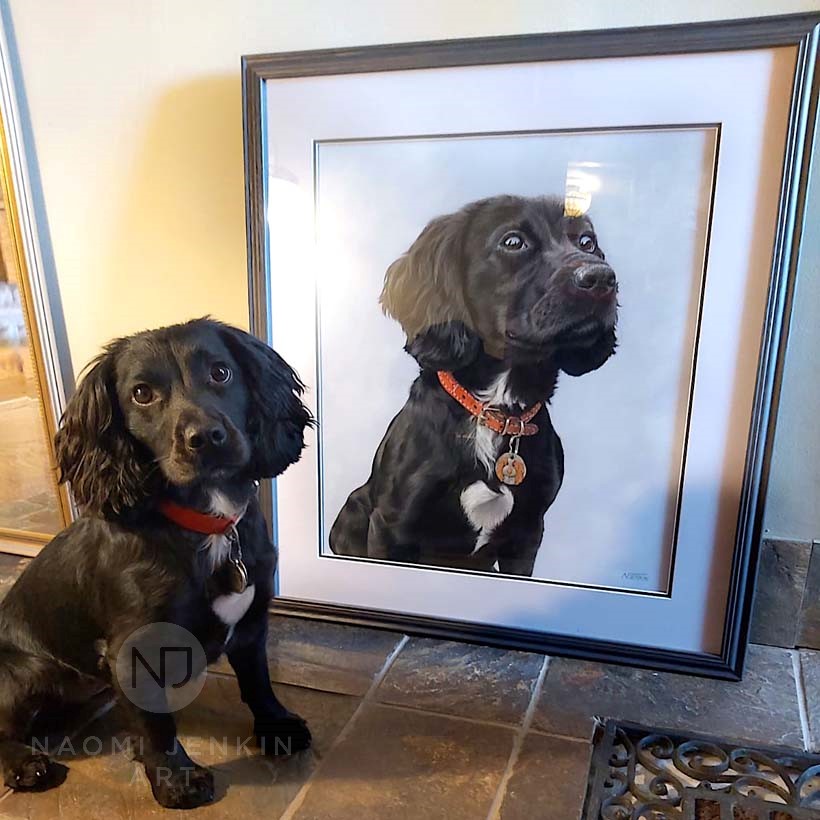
<point x="495" y="300"/>
<point x="163" y="445"/>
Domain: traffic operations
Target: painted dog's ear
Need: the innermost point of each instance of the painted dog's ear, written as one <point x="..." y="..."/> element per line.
<point x="423" y="292"/>
<point x="579" y="360"/>
<point x="276" y="416"/>
<point x="103" y="463"/>
<point x="448" y="346"/>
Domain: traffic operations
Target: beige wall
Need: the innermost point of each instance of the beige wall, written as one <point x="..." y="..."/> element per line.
<point x="135" y="110"/>
<point x="136" y="115"/>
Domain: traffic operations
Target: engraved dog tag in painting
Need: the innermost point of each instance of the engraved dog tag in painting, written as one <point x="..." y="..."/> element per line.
<point x="510" y="468"/>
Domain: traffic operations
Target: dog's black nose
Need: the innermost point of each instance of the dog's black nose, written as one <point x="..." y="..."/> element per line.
<point x="197" y="436"/>
<point x="600" y="278"/>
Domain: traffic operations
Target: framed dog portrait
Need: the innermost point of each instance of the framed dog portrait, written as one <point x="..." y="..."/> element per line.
<point x="538" y="290"/>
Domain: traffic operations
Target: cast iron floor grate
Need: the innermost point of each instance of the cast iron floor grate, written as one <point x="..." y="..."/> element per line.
<point x="649" y="774"/>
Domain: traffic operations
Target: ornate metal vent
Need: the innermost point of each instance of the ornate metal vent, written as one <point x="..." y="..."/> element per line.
<point x="644" y="774"/>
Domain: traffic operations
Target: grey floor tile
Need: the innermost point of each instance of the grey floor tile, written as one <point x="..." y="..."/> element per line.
<point x="780" y="583"/>
<point x="459" y="679"/>
<point x="325" y="656"/>
<point x="810" y="670"/>
<point x="808" y="627"/>
<point x="549" y="780"/>
<point x="762" y="708"/>
<point x="406" y="765"/>
<point x="215" y="730"/>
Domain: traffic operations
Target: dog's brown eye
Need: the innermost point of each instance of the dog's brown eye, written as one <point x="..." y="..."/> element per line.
<point x="513" y="241"/>
<point x="587" y="243"/>
<point x="221" y="373"/>
<point x="142" y="394"/>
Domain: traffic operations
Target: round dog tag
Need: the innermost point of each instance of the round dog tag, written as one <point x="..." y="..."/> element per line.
<point x="510" y="468"/>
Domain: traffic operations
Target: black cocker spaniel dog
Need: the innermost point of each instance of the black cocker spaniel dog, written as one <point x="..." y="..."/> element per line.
<point x="163" y="445"/>
<point x="495" y="300"/>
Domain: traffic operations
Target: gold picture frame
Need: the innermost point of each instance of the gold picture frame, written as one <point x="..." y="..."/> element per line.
<point x="27" y="259"/>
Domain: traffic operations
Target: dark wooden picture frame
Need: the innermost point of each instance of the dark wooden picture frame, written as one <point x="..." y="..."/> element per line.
<point x="800" y="31"/>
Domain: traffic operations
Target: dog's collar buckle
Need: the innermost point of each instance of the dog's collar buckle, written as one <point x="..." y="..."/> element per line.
<point x="513" y="420"/>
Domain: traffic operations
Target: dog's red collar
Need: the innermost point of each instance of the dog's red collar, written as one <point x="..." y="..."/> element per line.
<point x="189" y="519"/>
<point x="488" y="417"/>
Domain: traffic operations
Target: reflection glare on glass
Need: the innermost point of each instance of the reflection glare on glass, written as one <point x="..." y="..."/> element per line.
<point x="292" y="251"/>
<point x="581" y="184"/>
<point x="290" y="231"/>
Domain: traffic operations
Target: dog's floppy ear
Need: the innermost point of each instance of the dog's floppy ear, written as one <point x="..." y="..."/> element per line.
<point x="276" y="416"/>
<point x="96" y="454"/>
<point x="579" y="360"/>
<point x="423" y="292"/>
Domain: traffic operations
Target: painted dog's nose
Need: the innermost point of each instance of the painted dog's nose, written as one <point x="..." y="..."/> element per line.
<point x="600" y="278"/>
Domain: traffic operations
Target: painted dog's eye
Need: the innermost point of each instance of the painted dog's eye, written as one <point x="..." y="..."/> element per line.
<point x="513" y="241"/>
<point x="587" y="243"/>
<point x="142" y="394"/>
<point x="221" y="373"/>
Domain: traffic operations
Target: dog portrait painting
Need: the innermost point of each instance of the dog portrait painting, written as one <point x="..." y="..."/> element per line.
<point x="496" y="300"/>
<point x="505" y="333"/>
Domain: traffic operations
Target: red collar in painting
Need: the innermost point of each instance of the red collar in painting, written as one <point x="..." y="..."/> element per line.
<point x="497" y="421"/>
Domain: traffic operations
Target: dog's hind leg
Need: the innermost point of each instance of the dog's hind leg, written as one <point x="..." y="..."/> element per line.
<point x="25" y="680"/>
<point x="348" y="535"/>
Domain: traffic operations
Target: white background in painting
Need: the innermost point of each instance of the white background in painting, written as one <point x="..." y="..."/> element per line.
<point x="622" y="426"/>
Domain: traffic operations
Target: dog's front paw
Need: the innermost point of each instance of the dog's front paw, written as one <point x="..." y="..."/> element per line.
<point x="33" y="772"/>
<point x="282" y="735"/>
<point x="181" y="788"/>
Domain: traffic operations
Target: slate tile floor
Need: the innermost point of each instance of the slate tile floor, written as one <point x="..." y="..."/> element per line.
<point x="422" y="729"/>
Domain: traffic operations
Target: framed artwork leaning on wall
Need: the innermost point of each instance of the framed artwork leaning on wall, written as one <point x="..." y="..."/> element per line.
<point x="34" y="366"/>
<point x="538" y="288"/>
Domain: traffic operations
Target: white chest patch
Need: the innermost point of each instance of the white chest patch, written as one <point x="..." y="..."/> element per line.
<point x="498" y="394"/>
<point x="485" y="509"/>
<point x="487" y="443"/>
<point x="231" y="608"/>
<point x="218" y="546"/>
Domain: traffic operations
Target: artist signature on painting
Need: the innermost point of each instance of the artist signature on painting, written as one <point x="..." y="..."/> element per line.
<point x="635" y="576"/>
